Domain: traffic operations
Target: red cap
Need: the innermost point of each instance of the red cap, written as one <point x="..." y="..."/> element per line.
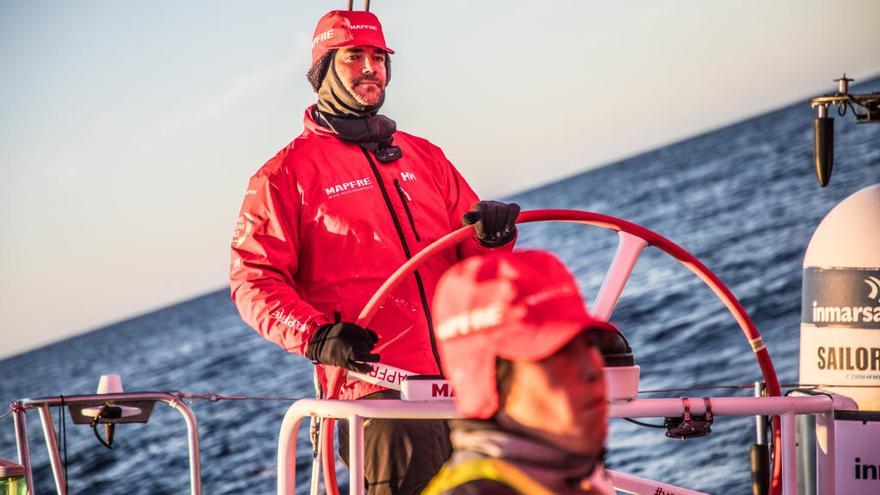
<point x="339" y="28"/>
<point x="522" y="305"/>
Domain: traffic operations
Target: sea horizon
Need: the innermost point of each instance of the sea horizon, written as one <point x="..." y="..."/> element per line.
<point x="635" y="156"/>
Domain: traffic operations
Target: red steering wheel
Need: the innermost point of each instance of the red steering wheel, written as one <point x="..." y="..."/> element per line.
<point x="632" y="240"/>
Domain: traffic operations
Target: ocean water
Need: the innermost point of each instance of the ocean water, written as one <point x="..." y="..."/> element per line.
<point x="744" y="199"/>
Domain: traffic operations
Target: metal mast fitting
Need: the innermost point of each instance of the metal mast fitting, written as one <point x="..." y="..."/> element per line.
<point x="366" y="5"/>
<point x="843" y="84"/>
<point x="865" y="107"/>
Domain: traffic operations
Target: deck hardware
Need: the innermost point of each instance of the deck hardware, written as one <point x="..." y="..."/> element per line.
<point x="690" y="425"/>
<point x="865" y="108"/>
<point x="106" y="412"/>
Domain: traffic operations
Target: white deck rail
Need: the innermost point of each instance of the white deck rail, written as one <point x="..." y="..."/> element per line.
<point x="356" y="411"/>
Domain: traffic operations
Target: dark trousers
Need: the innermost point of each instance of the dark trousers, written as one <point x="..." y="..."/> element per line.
<point x="400" y="455"/>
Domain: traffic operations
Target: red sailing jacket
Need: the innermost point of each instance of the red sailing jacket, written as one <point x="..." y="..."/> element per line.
<point x="324" y="223"/>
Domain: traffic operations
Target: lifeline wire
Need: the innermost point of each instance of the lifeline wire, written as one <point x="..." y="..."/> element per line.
<point x="696" y="387"/>
<point x="213" y="397"/>
<point x="747" y="386"/>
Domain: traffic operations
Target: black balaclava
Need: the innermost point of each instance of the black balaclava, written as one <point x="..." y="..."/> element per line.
<point x="352" y="121"/>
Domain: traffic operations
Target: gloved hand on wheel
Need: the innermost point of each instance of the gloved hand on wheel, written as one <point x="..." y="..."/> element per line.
<point x="345" y="345"/>
<point x="495" y="222"/>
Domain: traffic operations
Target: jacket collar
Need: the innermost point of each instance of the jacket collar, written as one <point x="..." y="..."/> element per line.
<point x="313" y="127"/>
<point x="560" y="471"/>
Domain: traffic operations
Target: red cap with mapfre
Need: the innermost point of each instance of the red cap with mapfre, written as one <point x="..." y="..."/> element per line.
<point x="521" y="305"/>
<point x="341" y="28"/>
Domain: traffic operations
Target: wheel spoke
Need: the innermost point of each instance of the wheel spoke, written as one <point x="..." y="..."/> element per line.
<point x="629" y="247"/>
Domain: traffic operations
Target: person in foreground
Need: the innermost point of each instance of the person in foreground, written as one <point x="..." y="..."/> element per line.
<point x="330" y="217"/>
<point x="520" y="351"/>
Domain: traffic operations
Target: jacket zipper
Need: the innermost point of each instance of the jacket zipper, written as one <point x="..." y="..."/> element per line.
<point x="405" y="199"/>
<point x="421" y="286"/>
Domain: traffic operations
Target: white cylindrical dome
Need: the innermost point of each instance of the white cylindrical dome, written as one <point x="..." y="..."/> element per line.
<point x="840" y="316"/>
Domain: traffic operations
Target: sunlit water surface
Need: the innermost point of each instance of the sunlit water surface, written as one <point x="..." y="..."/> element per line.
<point x="743" y="199"/>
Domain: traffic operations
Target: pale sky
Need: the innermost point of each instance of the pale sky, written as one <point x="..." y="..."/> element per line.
<point x="129" y="128"/>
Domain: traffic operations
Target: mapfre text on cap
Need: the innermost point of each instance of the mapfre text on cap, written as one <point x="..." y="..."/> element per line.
<point x="465" y="323"/>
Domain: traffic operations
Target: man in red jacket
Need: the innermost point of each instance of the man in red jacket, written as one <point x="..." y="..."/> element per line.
<point x="331" y="216"/>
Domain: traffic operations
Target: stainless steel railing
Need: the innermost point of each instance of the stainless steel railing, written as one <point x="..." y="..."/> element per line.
<point x="42" y="405"/>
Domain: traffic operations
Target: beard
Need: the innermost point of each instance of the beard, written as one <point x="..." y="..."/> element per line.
<point x="351" y="97"/>
<point x="368" y="91"/>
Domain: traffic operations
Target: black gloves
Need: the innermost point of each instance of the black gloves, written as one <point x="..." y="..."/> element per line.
<point x="345" y="345"/>
<point x="495" y="222"/>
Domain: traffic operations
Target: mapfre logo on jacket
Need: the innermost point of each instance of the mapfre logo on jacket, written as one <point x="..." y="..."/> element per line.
<point x="349" y="187"/>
